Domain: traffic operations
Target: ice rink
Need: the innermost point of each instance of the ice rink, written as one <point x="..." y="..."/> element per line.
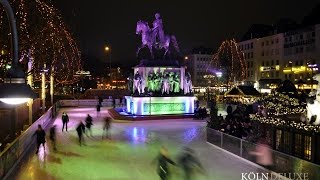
<point x="128" y="155"/>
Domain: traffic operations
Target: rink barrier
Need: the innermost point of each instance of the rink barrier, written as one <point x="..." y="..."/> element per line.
<point x="12" y="155"/>
<point x="85" y="103"/>
<point x="282" y="163"/>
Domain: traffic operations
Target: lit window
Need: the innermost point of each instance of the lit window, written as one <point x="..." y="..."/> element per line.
<point x="307" y="147"/>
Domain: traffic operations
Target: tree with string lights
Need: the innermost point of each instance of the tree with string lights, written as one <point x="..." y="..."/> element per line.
<point x="230" y="61"/>
<point x="43" y="39"/>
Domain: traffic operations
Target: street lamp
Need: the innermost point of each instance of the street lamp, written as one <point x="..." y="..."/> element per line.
<point x="312" y="66"/>
<point x="14" y="90"/>
<point x="108" y="50"/>
<point x="219" y="75"/>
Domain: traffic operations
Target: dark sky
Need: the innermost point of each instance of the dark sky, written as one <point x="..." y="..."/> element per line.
<point x="96" y="23"/>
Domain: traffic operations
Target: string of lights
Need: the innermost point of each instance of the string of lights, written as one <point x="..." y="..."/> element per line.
<point x="230" y="58"/>
<point x="278" y="106"/>
<point x="42" y="32"/>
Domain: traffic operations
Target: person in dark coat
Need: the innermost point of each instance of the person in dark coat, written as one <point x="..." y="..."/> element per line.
<point x="80" y="130"/>
<point x="100" y="100"/>
<point x="89" y="124"/>
<point x="162" y="166"/>
<point x="41" y="138"/>
<point x="106" y="127"/>
<point x="188" y="162"/>
<point x="53" y="137"/>
<point x="65" y="120"/>
<point x="98" y="110"/>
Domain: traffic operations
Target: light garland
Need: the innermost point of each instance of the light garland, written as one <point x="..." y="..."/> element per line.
<point x="238" y="67"/>
<point x="280" y="105"/>
<point x="42" y="30"/>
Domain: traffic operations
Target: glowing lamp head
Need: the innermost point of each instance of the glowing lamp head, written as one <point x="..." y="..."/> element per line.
<point x="14" y="101"/>
<point x="15" y="93"/>
<point x="107" y="48"/>
<point x="219" y="74"/>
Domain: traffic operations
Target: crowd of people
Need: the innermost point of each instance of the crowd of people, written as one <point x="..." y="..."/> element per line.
<point x="236" y="123"/>
<point x="200" y="113"/>
<point x="186" y="160"/>
<point x="81" y="129"/>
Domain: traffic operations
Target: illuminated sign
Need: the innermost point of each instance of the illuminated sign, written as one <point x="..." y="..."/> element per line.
<point x="165" y="108"/>
<point x="209" y="76"/>
<point x="83" y="73"/>
<point x="262" y="68"/>
<point x="160" y="105"/>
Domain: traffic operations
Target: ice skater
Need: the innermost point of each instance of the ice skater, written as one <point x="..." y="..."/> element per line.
<point x="41" y="138"/>
<point x="189" y="162"/>
<point x="263" y="154"/>
<point x="98" y="110"/>
<point x="53" y="137"/>
<point x="80" y="130"/>
<point x="88" y="125"/>
<point x="106" y="127"/>
<point x="65" y="120"/>
<point x="162" y="163"/>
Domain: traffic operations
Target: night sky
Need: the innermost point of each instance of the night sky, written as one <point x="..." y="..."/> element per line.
<point x="96" y="23"/>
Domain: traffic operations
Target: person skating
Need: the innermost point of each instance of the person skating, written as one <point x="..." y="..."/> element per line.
<point x="89" y="124"/>
<point x="98" y="110"/>
<point x="263" y="153"/>
<point x="188" y="163"/>
<point x="106" y="127"/>
<point x="80" y="130"/>
<point x="162" y="164"/>
<point x="53" y="137"/>
<point x="41" y="138"/>
<point x="65" y="120"/>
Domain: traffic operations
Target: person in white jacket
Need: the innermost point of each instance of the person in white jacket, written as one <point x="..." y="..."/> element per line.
<point x="263" y="154"/>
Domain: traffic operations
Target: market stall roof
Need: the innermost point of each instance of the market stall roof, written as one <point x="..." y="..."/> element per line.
<point x="243" y="91"/>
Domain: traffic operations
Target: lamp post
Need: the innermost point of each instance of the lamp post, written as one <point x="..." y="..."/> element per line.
<point x="290" y="65"/>
<point x="219" y="75"/>
<point x="312" y="66"/>
<point x="81" y="75"/>
<point x="14" y="90"/>
<point x="52" y="85"/>
<point x="108" y="50"/>
<point x="43" y="87"/>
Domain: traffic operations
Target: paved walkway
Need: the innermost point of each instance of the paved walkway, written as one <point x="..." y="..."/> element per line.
<point x="129" y="153"/>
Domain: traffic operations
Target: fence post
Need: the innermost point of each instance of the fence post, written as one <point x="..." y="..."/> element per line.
<point x="221" y="140"/>
<point x="240" y="147"/>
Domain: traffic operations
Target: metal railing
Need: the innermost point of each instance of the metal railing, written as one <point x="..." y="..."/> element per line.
<point x="282" y="163"/>
<point x="17" y="149"/>
<point x="85" y="103"/>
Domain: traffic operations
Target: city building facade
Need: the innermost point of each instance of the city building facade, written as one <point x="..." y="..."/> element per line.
<point x="293" y="55"/>
<point x="197" y="65"/>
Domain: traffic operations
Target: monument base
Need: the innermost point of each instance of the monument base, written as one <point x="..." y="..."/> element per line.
<point x="159" y="105"/>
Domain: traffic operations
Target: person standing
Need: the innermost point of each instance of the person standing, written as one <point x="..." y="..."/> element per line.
<point x="98" y="110"/>
<point x="65" y="120"/>
<point x="80" y="130"/>
<point x="89" y="124"/>
<point x="53" y="137"/>
<point x="41" y="138"/>
<point x="100" y="100"/>
<point x="106" y="127"/>
<point x="188" y="162"/>
<point x="162" y="166"/>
